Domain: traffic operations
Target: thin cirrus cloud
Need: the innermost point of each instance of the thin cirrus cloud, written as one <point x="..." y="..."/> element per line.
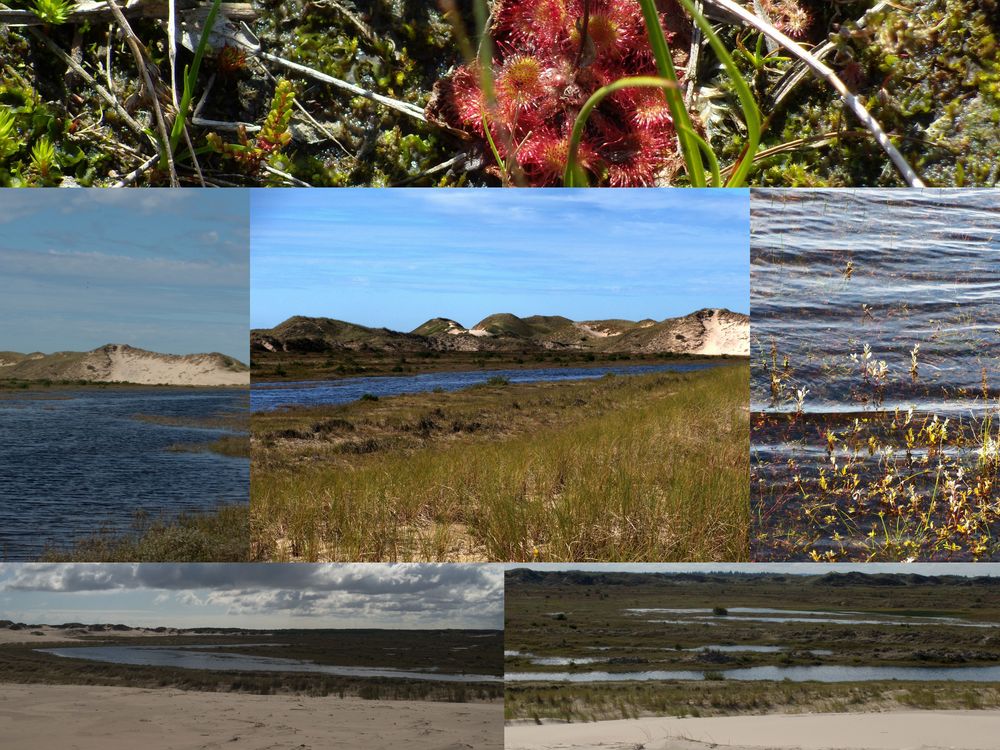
<point x="166" y="272"/>
<point x="264" y="596"/>
<point x="396" y="260"/>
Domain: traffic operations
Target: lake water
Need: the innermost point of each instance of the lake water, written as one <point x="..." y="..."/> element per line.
<point x="73" y="461"/>
<point x="207" y="658"/>
<point x="831" y="673"/>
<point x="770" y="614"/>
<point x="832" y="271"/>
<point x="267" y="396"/>
<point x="913" y="276"/>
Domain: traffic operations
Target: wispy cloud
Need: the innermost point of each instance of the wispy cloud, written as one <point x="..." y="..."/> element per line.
<point x="418" y="254"/>
<point x="164" y="271"/>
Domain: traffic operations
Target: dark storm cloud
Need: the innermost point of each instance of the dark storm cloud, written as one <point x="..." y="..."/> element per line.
<point x="412" y="594"/>
<point x="358" y="578"/>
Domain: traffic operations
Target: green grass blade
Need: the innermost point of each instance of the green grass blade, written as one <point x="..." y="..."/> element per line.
<point x="485" y="53"/>
<point x="679" y="113"/>
<point x="574" y="173"/>
<point x="713" y="162"/>
<point x="191" y="77"/>
<point x="751" y="114"/>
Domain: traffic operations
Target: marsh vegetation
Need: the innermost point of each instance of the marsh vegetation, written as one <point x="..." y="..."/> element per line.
<point x="639" y="467"/>
<point x="468" y="652"/>
<point x="624" y="623"/>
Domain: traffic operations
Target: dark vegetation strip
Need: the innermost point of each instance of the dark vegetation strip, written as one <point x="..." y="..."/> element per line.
<point x="222" y="535"/>
<point x="23" y="664"/>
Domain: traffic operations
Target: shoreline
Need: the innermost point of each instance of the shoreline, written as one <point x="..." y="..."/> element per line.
<point x="14" y="388"/>
<point x="470" y="366"/>
<point x="891" y="730"/>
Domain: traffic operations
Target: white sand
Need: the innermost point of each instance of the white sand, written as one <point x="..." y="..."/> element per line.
<point x="52" y="634"/>
<point x="69" y="717"/>
<point x="591" y="331"/>
<point x="128" y="365"/>
<point x="48" y="635"/>
<point x="896" y="730"/>
<point x="724" y="336"/>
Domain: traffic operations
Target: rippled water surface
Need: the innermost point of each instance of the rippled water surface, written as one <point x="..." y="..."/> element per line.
<point x="267" y="396"/>
<point x="832" y="271"/>
<point x="874" y="314"/>
<point x="205" y="657"/>
<point x="73" y="461"/>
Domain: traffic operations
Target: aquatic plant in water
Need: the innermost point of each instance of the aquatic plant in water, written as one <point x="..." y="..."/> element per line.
<point x="893" y="484"/>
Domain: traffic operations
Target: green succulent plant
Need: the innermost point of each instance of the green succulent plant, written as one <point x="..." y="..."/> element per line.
<point x="54" y="11"/>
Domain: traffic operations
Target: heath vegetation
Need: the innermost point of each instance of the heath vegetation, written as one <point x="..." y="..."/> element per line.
<point x="582" y="621"/>
<point x="477" y="653"/>
<point x="638" y="467"/>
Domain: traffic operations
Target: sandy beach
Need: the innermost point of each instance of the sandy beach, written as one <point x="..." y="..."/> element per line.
<point x="110" y="718"/>
<point x="897" y="730"/>
<point x="47" y="634"/>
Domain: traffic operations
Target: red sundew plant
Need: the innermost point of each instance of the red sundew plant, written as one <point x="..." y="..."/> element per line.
<point x="788" y="16"/>
<point x="551" y="55"/>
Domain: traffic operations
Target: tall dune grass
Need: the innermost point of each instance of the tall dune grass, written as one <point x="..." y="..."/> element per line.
<point x="661" y="476"/>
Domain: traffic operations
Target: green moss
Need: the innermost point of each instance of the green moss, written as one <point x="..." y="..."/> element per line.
<point x="409" y="48"/>
<point x="930" y="74"/>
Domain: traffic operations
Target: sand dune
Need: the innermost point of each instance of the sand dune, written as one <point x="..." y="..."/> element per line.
<point x="120" y="363"/>
<point x="725" y="334"/>
<point x="43" y="634"/>
<point x="37" y="717"/>
<point x="895" y="730"/>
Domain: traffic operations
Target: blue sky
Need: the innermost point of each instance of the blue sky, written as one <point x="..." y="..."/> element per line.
<point x="295" y="595"/>
<point x="396" y="258"/>
<point x="157" y="269"/>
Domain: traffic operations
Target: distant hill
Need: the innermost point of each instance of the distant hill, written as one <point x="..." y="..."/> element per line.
<point x="302" y="334"/>
<point x="120" y="363"/>
<point x="746" y="580"/>
<point x="704" y="332"/>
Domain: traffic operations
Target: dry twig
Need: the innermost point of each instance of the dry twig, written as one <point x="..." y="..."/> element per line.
<point x="144" y="66"/>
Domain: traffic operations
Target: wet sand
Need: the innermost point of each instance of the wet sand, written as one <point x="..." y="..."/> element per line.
<point x="895" y="730"/>
<point x="111" y="718"/>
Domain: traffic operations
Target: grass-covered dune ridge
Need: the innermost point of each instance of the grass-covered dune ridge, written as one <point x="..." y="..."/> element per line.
<point x="706" y="331"/>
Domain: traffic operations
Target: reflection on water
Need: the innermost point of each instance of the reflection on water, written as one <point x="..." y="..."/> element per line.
<point x="206" y="657"/>
<point x="553" y="661"/>
<point x="267" y="396"/>
<point x="838" y="617"/>
<point x="832" y="271"/>
<point x="74" y="461"/>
